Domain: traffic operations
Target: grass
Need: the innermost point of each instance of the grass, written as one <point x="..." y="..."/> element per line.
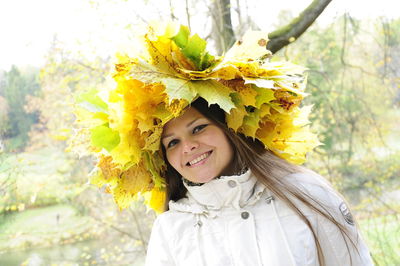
<point x="43" y="227"/>
<point x="37" y="178"/>
<point x="382" y="235"/>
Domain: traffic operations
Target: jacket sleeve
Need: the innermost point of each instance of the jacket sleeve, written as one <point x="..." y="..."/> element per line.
<point x="337" y="248"/>
<point x="158" y="251"/>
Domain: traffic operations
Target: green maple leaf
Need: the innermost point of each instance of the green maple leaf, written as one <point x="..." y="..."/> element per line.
<point x="214" y="92"/>
<point x="264" y="95"/>
<point x="194" y="48"/>
<point x="104" y="137"/>
<point x="149" y="73"/>
<point x="177" y="88"/>
<point x="250" y="123"/>
<point x="90" y="101"/>
<point x="181" y="39"/>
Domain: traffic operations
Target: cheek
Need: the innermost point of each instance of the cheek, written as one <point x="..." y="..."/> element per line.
<point x="218" y="139"/>
<point x="173" y="158"/>
<point x="227" y="148"/>
<point x="222" y="144"/>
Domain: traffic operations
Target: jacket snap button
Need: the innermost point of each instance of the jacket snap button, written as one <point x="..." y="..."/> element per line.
<point x="269" y="199"/>
<point x="231" y="183"/>
<point x="245" y="215"/>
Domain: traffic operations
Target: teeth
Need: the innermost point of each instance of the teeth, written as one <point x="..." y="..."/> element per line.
<point x="198" y="159"/>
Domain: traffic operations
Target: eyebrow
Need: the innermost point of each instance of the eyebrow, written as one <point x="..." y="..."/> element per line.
<point x="188" y="125"/>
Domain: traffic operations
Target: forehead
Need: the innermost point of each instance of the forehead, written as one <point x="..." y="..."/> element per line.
<point x="188" y="116"/>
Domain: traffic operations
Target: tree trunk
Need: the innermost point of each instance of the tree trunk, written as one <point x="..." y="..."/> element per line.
<point x="222" y="31"/>
<point x="224" y="36"/>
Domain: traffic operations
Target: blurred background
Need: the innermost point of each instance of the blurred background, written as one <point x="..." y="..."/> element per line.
<point x="50" y="215"/>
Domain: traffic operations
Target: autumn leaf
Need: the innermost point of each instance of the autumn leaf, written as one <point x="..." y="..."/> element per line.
<point x="181" y="39"/>
<point x="251" y="123"/>
<point x="91" y="101"/>
<point x="300" y="142"/>
<point x="131" y="182"/>
<point x="301" y="116"/>
<point x="96" y="178"/>
<point x="250" y="47"/>
<point x="195" y="50"/>
<point x="155" y="199"/>
<point x="214" y="92"/>
<point x="177" y="89"/>
<point x="104" y="137"/>
<point x="153" y="140"/>
<point x="235" y="118"/>
<point x="245" y="92"/>
<point x="261" y="83"/>
<point x="264" y="95"/>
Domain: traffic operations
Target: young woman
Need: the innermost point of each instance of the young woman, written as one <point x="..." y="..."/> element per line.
<point x="217" y="136"/>
<point x="232" y="202"/>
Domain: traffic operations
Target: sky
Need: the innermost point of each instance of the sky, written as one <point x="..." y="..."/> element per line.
<point x="28" y="27"/>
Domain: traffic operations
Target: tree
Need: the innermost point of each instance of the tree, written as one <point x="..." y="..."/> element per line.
<point x="63" y="73"/>
<point x="3" y="118"/>
<point x="15" y="88"/>
<point x="287" y="34"/>
<point x="224" y="35"/>
<point x="222" y="32"/>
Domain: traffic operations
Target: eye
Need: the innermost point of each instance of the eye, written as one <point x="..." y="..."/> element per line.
<point x="198" y="128"/>
<point x="172" y="143"/>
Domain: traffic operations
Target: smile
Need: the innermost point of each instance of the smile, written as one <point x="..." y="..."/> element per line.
<point x="199" y="159"/>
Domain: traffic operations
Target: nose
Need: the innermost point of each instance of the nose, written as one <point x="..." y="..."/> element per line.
<point x="189" y="145"/>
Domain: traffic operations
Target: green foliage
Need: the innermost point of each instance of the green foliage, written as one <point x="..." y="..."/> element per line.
<point x="57" y="224"/>
<point x="194" y="48"/>
<point x="349" y="109"/>
<point x="105" y="137"/>
<point x="181" y="39"/>
<point x="15" y="88"/>
<point x="33" y="180"/>
<point x="91" y="101"/>
<point x="392" y="31"/>
<point x="382" y="235"/>
<point x="353" y="80"/>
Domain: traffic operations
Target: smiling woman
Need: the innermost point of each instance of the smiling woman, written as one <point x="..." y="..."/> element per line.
<point x="231" y="201"/>
<point x="216" y="149"/>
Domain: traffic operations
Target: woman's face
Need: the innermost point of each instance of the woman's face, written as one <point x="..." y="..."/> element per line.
<point x="196" y="147"/>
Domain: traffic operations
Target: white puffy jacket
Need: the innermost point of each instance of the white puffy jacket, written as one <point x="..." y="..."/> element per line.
<point x="235" y="220"/>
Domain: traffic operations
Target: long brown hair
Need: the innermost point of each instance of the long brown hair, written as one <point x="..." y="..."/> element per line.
<point x="266" y="167"/>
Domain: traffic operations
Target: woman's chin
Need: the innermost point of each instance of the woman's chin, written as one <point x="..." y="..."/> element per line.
<point x="203" y="178"/>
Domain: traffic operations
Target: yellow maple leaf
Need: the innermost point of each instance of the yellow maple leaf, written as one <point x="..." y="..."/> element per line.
<point x="246" y="92"/>
<point x="132" y="181"/>
<point x="153" y="140"/>
<point x="129" y="149"/>
<point x="235" y="118"/>
<point x="155" y="199"/>
<point x="250" y="47"/>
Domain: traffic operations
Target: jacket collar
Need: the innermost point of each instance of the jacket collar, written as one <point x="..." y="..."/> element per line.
<point x="234" y="191"/>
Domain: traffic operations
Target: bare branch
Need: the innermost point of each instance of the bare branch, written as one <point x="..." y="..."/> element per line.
<point x="139" y="228"/>
<point x="171" y="11"/>
<point x="292" y="31"/>
<point x="342" y="53"/>
<point x="239" y="13"/>
<point x="114" y="227"/>
<point x="188" y="14"/>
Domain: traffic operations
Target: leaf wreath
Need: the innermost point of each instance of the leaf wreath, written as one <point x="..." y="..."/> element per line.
<point x="261" y="99"/>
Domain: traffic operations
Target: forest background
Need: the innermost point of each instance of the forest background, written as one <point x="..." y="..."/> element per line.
<point x="50" y="215"/>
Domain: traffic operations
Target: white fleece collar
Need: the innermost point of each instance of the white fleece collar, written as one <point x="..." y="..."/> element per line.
<point x="234" y="191"/>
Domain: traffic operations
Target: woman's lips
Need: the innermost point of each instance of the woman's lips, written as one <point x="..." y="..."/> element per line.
<point x="201" y="162"/>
